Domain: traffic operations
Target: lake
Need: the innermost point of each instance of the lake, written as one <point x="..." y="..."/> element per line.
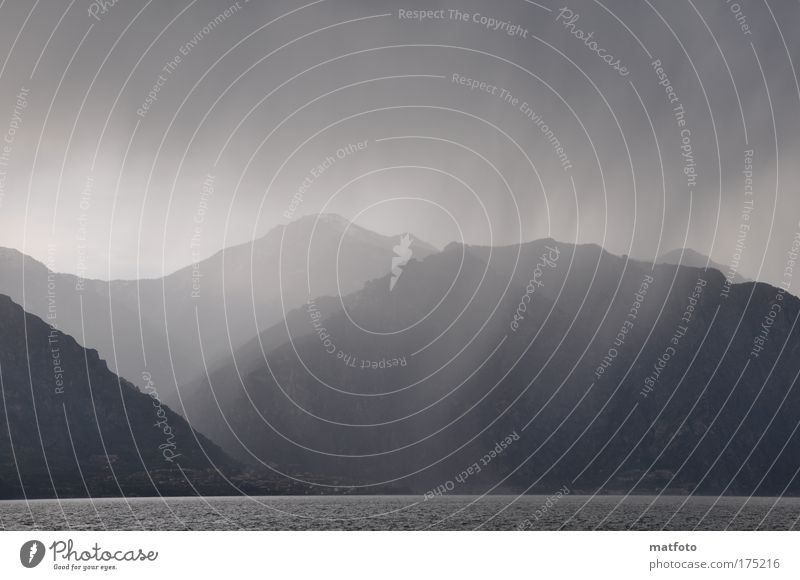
<point x="404" y="513"/>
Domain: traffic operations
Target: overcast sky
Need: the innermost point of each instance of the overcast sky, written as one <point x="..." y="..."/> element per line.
<point x="252" y="97"/>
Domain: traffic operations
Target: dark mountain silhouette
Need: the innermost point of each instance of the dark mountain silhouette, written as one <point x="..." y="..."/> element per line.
<point x="70" y="427"/>
<point x="617" y="376"/>
<point x="163" y="325"/>
<point x="693" y="258"/>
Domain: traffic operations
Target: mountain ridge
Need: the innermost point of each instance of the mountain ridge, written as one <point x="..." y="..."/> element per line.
<point x="281" y="413"/>
<point x="70" y="427"/>
<point x="225" y="300"/>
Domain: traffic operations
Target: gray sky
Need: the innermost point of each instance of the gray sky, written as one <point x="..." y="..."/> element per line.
<point x="270" y="90"/>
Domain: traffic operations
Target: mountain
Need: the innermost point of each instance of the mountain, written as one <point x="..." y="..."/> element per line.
<point x="172" y="327"/>
<point x="694" y="259"/>
<point x="69" y="427"/>
<point x="593" y="371"/>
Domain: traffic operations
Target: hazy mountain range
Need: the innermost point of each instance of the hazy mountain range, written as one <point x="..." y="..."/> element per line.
<point x="170" y="326"/>
<point x="597" y="372"/>
<point x="712" y="418"/>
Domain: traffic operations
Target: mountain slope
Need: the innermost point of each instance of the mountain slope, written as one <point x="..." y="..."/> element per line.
<point x="619" y="376"/>
<point x="70" y="427"/>
<point x="694" y="259"/>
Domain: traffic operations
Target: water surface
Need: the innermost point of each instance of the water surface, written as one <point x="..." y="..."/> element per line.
<point x="404" y="513"/>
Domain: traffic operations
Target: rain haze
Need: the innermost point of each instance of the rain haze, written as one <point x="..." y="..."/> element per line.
<point x="149" y="135"/>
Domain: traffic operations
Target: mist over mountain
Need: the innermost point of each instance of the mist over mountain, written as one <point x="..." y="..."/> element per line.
<point x="335" y="357"/>
<point x="172" y="326"/>
<point x="615" y="375"/>
<point x="454" y="265"/>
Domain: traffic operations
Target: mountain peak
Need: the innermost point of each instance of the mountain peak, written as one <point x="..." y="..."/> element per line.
<point x="331" y="219"/>
<point x="341" y="224"/>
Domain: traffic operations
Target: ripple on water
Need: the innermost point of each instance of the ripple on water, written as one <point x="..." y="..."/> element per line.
<point x="404" y="513"/>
